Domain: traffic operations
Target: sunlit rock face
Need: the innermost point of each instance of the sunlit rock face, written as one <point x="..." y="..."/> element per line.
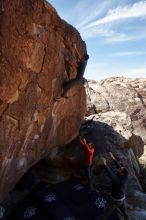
<point x="123" y="95"/>
<point x="35" y="46"/>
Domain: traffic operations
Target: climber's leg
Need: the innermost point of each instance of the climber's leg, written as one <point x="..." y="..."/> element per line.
<point x="123" y="209"/>
<point x="87" y="169"/>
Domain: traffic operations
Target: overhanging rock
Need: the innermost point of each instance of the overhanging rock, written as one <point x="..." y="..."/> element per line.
<point x="35" y="48"/>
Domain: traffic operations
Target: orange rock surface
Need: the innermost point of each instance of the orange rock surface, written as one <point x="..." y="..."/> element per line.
<point x="36" y="52"/>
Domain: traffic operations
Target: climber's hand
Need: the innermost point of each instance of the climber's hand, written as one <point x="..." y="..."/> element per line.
<point x="85" y="142"/>
<point x="82" y="140"/>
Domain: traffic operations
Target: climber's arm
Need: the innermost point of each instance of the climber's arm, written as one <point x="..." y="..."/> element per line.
<point x="111" y="174"/>
<point x="114" y="160"/>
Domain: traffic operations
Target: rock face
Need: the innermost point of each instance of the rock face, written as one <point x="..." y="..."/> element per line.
<point x="110" y="129"/>
<point x="110" y="126"/>
<point x="37" y="48"/>
<point x="120" y="95"/>
<point x="105" y="131"/>
<point x="116" y="121"/>
<point x="106" y="137"/>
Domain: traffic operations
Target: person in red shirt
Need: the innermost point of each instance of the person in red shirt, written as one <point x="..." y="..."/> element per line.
<point x="88" y="158"/>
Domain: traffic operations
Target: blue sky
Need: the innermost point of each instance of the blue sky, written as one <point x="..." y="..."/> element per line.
<point x="115" y="34"/>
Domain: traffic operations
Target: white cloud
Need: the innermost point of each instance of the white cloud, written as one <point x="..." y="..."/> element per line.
<point x="128" y="53"/>
<point x="108" y="26"/>
<point x="135" y="72"/>
<point x="117" y="37"/>
<point x="97" y="32"/>
<point x="91" y="12"/>
<point x="109" y="35"/>
<point x="129" y="11"/>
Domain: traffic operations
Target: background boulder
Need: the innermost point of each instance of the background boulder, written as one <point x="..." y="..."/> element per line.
<point x="119" y="94"/>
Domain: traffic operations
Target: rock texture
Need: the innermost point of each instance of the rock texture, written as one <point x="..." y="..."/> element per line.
<point x="120" y="95"/>
<point x="36" y="49"/>
<point x="105" y="136"/>
<point x="110" y="129"/>
<point x="115" y="122"/>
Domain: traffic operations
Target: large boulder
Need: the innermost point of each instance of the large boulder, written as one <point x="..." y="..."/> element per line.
<point x="120" y="94"/>
<point x="37" y="49"/>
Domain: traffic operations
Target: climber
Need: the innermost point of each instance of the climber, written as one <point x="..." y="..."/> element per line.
<point x="88" y="158"/>
<point x="81" y="67"/>
<point x="80" y="73"/>
<point x="119" y="180"/>
<point x="82" y="63"/>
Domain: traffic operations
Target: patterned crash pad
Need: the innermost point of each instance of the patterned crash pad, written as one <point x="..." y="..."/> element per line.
<point x="68" y="200"/>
